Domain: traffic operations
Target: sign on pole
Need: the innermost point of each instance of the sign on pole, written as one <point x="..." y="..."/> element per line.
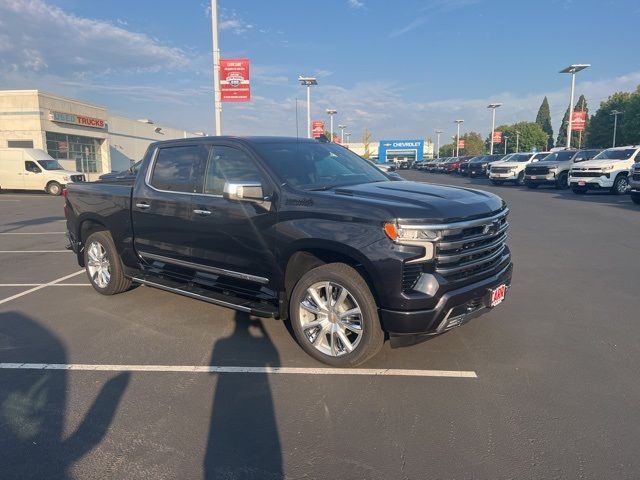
<point x="578" y="121"/>
<point x="497" y="137"/>
<point x="317" y="128"/>
<point x="234" y="80"/>
<point x="461" y="143"/>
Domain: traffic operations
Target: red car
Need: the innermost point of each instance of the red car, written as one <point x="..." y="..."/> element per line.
<point x="454" y="164"/>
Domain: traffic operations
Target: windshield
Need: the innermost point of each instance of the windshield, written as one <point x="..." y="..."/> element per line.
<point x="559" y="156"/>
<point x="50" y="165"/>
<point x="477" y="159"/>
<point x="519" y="157"/>
<point x="317" y="166"/>
<point x="615" y="154"/>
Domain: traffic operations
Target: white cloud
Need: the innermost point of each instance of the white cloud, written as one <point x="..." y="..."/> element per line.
<point x="45" y="38"/>
<point x="355" y="4"/>
<point x="430" y="9"/>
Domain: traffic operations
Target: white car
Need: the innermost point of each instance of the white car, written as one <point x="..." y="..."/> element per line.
<point x="512" y="168"/>
<point x="609" y="170"/>
<point x="34" y="169"/>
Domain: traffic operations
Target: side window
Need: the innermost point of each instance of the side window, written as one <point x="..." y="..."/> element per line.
<point x="180" y="169"/>
<point x="228" y="164"/>
<point x="30" y="166"/>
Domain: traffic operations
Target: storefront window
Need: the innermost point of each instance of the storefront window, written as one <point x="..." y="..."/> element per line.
<point x="84" y="150"/>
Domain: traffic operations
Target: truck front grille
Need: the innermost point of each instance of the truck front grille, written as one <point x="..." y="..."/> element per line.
<point x="466" y="252"/>
<point x="537" y="170"/>
<point x="410" y="275"/>
<point x="500" y="170"/>
<point x="576" y="173"/>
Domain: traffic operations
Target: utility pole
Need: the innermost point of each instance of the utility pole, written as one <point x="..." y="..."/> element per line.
<point x="342" y="127"/>
<point x="308" y="82"/>
<point x="517" y="141"/>
<point x="458" y="122"/>
<point x="493" y="107"/>
<point x="572" y="69"/>
<point x="615" y="114"/>
<point x="438" y="132"/>
<point x="217" y="103"/>
<point x="331" y="113"/>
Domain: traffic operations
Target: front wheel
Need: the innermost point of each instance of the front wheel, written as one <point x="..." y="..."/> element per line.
<point x="562" y="183"/>
<point x="620" y="185"/>
<point x="103" y="264"/>
<point x="520" y="179"/>
<point x="54" y="188"/>
<point x="335" y="317"/>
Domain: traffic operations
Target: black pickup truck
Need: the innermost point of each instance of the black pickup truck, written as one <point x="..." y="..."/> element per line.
<point x="296" y="229"/>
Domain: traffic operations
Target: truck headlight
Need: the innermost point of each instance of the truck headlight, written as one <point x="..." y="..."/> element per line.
<point x="608" y="168"/>
<point x="66" y="178"/>
<point x="414" y="237"/>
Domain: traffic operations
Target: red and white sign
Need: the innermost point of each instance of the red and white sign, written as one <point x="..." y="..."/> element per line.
<point x="317" y="128"/>
<point x="578" y="121"/>
<point x="498" y="294"/>
<point x="461" y="143"/>
<point x="497" y="137"/>
<point x="234" y="80"/>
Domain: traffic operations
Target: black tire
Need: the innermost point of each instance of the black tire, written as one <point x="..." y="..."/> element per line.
<point x="561" y="184"/>
<point x="532" y="185"/>
<point x="520" y="179"/>
<point x="497" y="182"/>
<point x="117" y="282"/>
<point x="54" y="188"/>
<point x="635" y="198"/>
<point x="620" y="185"/>
<point x="579" y="191"/>
<point x="371" y="337"/>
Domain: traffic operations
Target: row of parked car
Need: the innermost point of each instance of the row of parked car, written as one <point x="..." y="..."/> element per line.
<point x="614" y="169"/>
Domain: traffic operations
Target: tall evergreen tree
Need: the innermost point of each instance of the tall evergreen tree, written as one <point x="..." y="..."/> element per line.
<point x="562" y="132"/>
<point x="544" y="120"/>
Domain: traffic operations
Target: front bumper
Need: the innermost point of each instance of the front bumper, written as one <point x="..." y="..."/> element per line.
<point x="548" y="179"/>
<point x="454" y="308"/>
<point x="591" y="183"/>
<point x="504" y="176"/>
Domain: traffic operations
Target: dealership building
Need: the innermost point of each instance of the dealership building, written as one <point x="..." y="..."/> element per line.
<point x="83" y="137"/>
<point x="395" y="150"/>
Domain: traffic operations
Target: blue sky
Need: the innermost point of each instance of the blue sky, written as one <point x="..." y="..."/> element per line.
<point x="399" y="68"/>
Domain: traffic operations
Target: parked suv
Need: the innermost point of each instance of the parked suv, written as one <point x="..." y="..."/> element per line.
<point x="554" y="168"/>
<point x="296" y="229"/>
<point x="478" y="167"/>
<point x="634" y="182"/>
<point x="512" y="169"/>
<point x="609" y="170"/>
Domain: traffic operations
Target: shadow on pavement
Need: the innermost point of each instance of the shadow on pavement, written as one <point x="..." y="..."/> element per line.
<point x="244" y="442"/>
<point x="33" y="406"/>
<point x="11" y="227"/>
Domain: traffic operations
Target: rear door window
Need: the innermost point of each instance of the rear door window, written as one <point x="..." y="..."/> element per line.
<point x="180" y="169"/>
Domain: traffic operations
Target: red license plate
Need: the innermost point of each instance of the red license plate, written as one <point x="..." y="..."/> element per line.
<point x="582" y="183"/>
<point x="498" y="294"/>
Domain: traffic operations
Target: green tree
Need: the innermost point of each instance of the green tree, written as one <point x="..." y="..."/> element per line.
<point x="561" y="141"/>
<point x="473" y="144"/>
<point x="447" y="150"/>
<point x="525" y="135"/>
<point x="544" y="120"/>
<point x="600" y="128"/>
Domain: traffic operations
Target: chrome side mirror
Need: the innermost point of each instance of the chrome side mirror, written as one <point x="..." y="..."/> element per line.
<point x="247" y="192"/>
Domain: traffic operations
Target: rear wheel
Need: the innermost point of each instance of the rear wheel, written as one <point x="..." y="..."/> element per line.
<point x="562" y="181"/>
<point x="54" y="188"/>
<point x="103" y="264"/>
<point x="335" y="317"/>
<point x="620" y="185"/>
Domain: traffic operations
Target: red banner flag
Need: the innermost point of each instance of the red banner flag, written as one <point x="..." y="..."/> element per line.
<point x="317" y="128"/>
<point x="578" y="121"/>
<point x="497" y="137"/>
<point x="234" y="80"/>
<point x="461" y="143"/>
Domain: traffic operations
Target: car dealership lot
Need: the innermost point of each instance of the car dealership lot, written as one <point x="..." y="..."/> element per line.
<point x="545" y="386"/>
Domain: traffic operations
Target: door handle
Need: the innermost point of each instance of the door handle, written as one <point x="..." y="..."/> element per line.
<point x="144" y="206"/>
<point x="204" y="213"/>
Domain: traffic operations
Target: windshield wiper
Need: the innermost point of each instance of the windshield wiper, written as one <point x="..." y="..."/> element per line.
<point x="321" y="188"/>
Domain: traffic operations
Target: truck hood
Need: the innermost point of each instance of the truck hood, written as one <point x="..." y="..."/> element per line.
<point x="602" y="163"/>
<point x="421" y="201"/>
<point x="552" y="163"/>
<point x="63" y="172"/>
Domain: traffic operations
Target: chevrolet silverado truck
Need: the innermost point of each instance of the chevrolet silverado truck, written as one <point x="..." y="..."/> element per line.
<point x="634" y="182"/>
<point x="609" y="170"/>
<point x="554" y="168"/>
<point x="511" y="169"/>
<point x="298" y="230"/>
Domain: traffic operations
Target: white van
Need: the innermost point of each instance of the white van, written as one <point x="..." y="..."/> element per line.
<point x="33" y="169"/>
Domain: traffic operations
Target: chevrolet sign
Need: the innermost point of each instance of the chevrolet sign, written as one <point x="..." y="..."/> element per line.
<point x="390" y="150"/>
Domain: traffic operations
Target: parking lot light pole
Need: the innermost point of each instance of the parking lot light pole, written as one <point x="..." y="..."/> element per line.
<point x="342" y="127"/>
<point x="517" y="141"/>
<point x="438" y="132"/>
<point x="308" y="82"/>
<point x="331" y="113"/>
<point x="572" y="69"/>
<point x="458" y="122"/>
<point x="348" y="135"/>
<point x="615" y="114"/>
<point x="493" y="107"/>
<point x="217" y="102"/>
<point x="506" y="139"/>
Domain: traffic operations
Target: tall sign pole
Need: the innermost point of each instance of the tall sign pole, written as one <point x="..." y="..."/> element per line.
<point x="217" y="103"/>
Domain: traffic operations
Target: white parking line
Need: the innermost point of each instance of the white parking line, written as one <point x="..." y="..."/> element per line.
<point x="45" y="285"/>
<point x="34" y="251"/>
<point x="32" y="233"/>
<point x="39" y="287"/>
<point x="388" y="372"/>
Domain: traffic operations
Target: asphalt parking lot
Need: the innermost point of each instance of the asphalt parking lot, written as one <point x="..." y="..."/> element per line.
<point x="549" y="383"/>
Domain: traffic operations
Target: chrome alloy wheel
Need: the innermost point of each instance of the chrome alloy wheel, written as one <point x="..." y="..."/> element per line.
<point x="622" y="185"/>
<point x="331" y="319"/>
<point x="98" y="265"/>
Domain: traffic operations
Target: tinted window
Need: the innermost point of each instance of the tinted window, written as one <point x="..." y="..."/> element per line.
<point x="614" y="154"/>
<point x="180" y="169"/>
<point x="30" y="166"/>
<point x="229" y="164"/>
<point x="559" y="156"/>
